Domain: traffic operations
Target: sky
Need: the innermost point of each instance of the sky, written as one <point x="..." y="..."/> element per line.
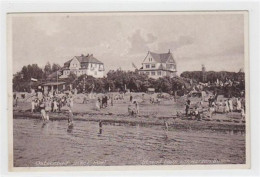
<point x="118" y="40"/>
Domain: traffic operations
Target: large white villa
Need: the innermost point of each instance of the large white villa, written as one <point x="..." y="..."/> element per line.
<point x="84" y="64"/>
<point x="157" y="65"/>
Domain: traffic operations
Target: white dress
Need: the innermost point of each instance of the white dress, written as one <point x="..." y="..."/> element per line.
<point x="238" y="105"/>
<point x="231" y="105"/>
<point x="226" y="107"/>
<point x="55" y="107"/>
<point x="97" y="105"/>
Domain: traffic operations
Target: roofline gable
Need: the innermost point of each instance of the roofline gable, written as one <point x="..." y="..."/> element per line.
<point x="146" y="56"/>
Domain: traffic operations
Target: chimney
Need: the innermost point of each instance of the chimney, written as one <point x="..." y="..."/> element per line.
<point x="169" y="51"/>
<point x="82" y="55"/>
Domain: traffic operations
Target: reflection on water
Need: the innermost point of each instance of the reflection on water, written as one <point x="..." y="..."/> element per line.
<point x="100" y="131"/>
<point x="95" y="143"/>
<point x="70" y="128"/>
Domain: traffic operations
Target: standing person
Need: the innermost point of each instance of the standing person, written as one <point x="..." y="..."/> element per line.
<point x="226" y="106"/>
<point x="187" y="106"/>
<point x="70" y="119"/>
<point x="47" y="108"/>
<point x="59" y="104"/>
<point x="243" y="113"/>
<point x="131" y="109"/>
<point x="230" y="105"/>
<point x="136" y="107"/>
<point x="84" y="100"/>
<point x="14" y="96"/>
<point x="131" y="97"/>
<point x="33" y="106"/>
<point x="71" y="101"/>
<point x="42" y="110"/>
<point x="16" y="102"/>
<point x="197" y="114"/>
<point x="239" y="105"/>
<point x="210" y="101"/>
<point x="52" y="104"/>
<point x="112" y="100"/>
<point x="213" y="104"/>
<point x="55" y="106"/>
<point x="211" y="111"/>
<point x="105" y="101"/>
<point x="98" y="104"/>
<point x="36" y="103"/>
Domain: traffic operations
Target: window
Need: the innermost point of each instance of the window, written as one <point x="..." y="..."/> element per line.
<point x="147" y="66"/>
<point x="170" y="66"/>
<point x="159" y="73"/>
<point x="147" y="73"/>
<point x="152" y="73"/>
<point x="153" y="65"/>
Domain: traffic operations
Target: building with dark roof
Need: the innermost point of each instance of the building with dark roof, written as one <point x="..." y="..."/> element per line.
<point x="157" y="65"/>
<point x="84" y="64"/>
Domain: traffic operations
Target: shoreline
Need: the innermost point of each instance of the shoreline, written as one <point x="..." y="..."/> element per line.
<point x="174" y="122"/>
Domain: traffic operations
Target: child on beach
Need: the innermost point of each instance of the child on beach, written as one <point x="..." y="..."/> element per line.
<point x="98" y="104"/>
<point x="55" y="106"/>
<point x="33" y="106"/>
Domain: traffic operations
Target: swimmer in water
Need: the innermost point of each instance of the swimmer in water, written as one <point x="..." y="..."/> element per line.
<point x="100" y="127"/>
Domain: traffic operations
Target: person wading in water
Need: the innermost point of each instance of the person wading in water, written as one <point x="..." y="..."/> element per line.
<point x="70" y="119"/>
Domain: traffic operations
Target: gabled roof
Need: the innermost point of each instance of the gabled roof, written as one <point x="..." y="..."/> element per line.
<point x="67" y="64"/>
<point x="82" y="59"/>
<point x="162" y="57"/>
<point x="161" y="67"/>
<point x="88" y="59"/>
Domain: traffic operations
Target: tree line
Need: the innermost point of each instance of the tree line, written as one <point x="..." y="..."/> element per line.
<point x="119" y="80"/>
<point x="212" y="76"/>
<point x="22" y="79"/>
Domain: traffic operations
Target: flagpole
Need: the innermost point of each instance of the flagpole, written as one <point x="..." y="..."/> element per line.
<point x="57" y="82"/>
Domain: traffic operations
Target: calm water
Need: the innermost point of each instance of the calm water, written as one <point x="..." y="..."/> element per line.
<point x="54" y="144"/>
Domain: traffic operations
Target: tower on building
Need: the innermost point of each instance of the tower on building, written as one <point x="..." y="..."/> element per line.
<point x="204" y="76"/>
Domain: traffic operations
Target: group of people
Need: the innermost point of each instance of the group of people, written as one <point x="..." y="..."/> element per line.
<point x="102" y="102"/>
<point x="47" y="104"/>
<point x="227" y="106"/>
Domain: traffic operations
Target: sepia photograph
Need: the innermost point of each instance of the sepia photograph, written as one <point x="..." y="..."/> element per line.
<point x="119" y="89"/>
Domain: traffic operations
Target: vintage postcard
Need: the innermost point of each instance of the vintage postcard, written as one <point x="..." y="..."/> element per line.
<point x="128" y="90"/>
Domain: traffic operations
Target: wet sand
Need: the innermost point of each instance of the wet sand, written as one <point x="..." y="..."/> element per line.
<point x="54" y="144"/>
<point x="126" y="140"/>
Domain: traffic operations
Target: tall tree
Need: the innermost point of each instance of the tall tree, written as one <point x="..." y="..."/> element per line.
<point x="55" y="67"/>
<point x="47" y="69"/>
